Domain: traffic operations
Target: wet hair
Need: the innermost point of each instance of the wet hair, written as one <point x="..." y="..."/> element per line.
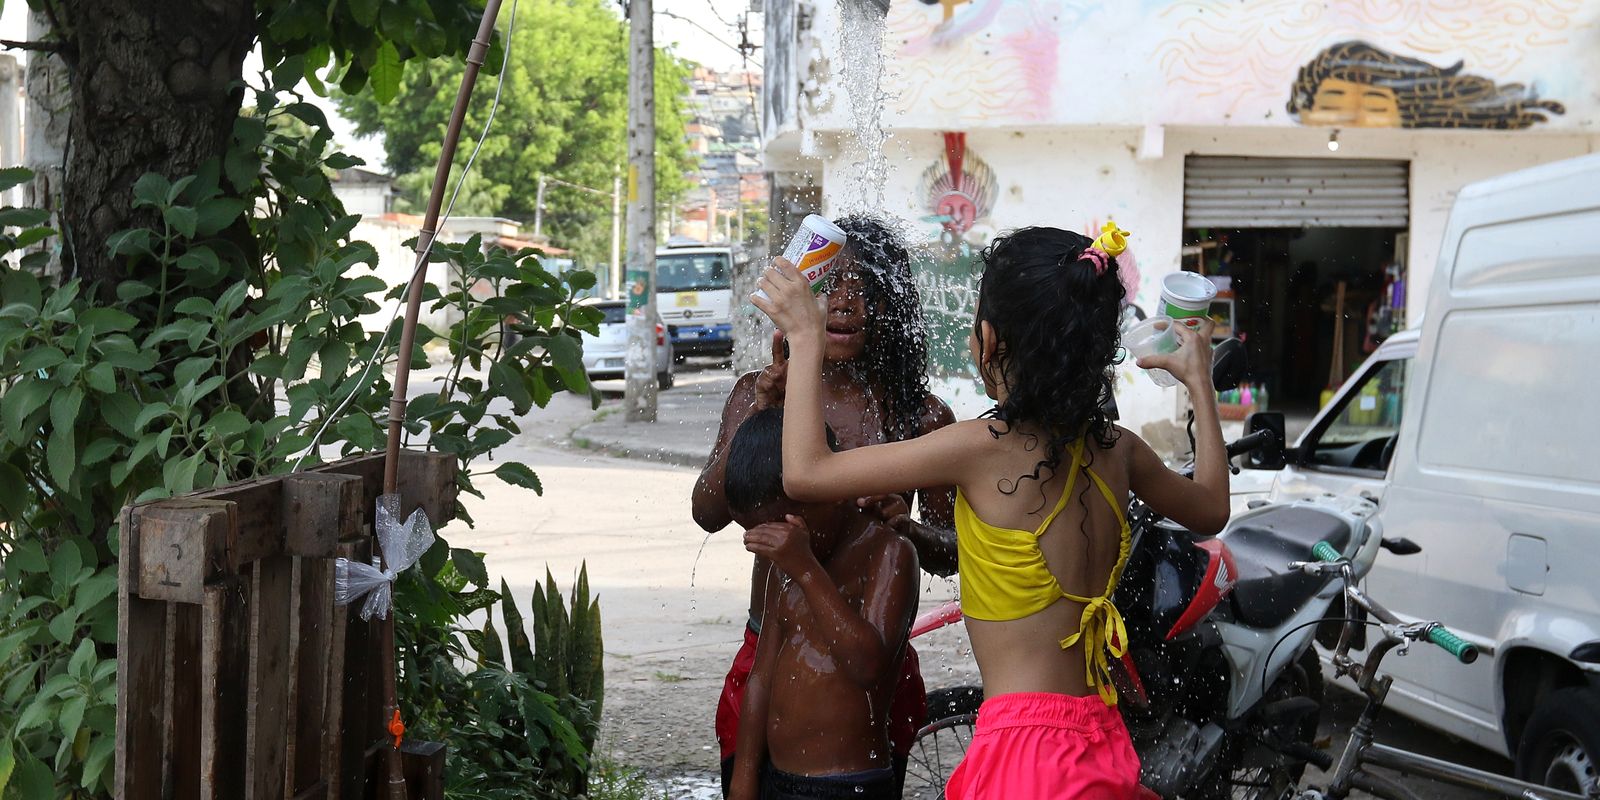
<point x="754" y="476"/>
<point x="895" y="360"/>
<point x="1429" y="96"/>
<point x="1057" y="323"/>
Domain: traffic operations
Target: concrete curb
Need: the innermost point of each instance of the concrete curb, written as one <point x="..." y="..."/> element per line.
<point x="588" y="440"/>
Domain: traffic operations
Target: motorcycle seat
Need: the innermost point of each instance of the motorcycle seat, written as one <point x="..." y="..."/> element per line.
<point x="1267" y="593"/>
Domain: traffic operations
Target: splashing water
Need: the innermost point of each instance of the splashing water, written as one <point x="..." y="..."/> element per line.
<point x="861" y="71"/>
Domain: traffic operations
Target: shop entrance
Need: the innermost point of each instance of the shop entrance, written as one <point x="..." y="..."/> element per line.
<point x="1308" y="258"/>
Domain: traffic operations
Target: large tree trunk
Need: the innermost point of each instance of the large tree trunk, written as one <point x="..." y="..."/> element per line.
<point x="155" y="89"/>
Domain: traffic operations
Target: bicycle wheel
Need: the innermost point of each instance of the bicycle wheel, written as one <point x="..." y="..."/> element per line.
<point x="938" y="748"/>
<point x="1249" y="768"/>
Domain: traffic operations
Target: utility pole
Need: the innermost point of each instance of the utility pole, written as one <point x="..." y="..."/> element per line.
<point x="639" y="398"/>
<point x="615" y="276"/>
<point x="538" y="209"/>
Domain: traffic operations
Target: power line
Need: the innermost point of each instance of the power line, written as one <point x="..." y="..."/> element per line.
<point x="716" y="38"/>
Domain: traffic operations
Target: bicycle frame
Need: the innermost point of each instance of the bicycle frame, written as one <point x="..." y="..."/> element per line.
<point x="1361" y="750"/>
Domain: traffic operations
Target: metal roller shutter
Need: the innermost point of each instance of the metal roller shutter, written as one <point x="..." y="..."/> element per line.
<point x="1294" y="192"/>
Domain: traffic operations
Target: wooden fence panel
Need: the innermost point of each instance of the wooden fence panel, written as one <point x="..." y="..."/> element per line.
<point x="238" y="677"/>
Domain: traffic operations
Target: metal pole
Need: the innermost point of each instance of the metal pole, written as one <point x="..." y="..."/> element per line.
<point x="639" y="399"/>
<point x="538" y="209"/>
<point x="616" y="232"/>
<point x="402" y="371"/>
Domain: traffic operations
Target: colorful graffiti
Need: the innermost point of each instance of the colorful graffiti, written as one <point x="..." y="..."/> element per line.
<point x="960" y="188"/>
<point x="1354" y="83"/>
<point x="1224" y="62"/>
<point x="989" y="59"/>
<point x="1419" y="63"/>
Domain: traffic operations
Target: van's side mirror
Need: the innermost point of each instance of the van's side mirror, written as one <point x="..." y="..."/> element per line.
<point x="1270" y="456"/>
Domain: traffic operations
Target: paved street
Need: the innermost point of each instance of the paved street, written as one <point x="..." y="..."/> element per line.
<point x="672" y="597"/>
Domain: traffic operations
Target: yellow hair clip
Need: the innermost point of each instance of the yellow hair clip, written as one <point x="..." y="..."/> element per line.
<point x="1112" y="240"/>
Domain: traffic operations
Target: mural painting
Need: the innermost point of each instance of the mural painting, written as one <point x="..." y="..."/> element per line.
<point x="1486" y="64"/>
<point x="1354" y="83"/>
<point x="960" y="189"/>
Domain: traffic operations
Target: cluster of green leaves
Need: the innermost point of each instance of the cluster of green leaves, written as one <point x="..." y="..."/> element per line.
<point x="361" y="43"/>
<point x="239" y="338"/>
<point x="563" y="112"/>
<point x="57" y="694"/>
<point x="512" y="732"/>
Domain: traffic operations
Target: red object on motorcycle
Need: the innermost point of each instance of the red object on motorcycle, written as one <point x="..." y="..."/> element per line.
<point x="936" y="618"/>
<point x="1130" y="688"/>
<point x="1220" y="576"/>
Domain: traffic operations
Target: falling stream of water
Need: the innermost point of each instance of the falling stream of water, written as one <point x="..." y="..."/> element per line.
<point x="861" y="71"/>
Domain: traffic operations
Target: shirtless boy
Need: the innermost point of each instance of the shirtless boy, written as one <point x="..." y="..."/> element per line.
<point x="875" y="391"/>
<point x="840" y="594"/>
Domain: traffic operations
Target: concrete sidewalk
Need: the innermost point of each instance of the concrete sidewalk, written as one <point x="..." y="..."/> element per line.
<point x="687" y="417"/>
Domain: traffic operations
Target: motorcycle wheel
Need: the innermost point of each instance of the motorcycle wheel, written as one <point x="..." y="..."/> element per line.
<point x="1248" y="769"/>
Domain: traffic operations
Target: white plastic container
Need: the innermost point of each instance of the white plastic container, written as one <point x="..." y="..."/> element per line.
<point x="816" y="244"/>
<point x="1186" y="296"/>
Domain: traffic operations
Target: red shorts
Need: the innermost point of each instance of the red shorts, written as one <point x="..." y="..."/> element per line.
<point x="1043" y="746"/>
<point x="908" y="711"/>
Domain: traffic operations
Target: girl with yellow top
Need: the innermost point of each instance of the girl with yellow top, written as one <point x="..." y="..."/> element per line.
<point x="1042" y="479"/>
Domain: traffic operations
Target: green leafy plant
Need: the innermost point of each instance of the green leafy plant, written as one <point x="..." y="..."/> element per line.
<point x="239" y="339"/>
<point x="514" y="730"/>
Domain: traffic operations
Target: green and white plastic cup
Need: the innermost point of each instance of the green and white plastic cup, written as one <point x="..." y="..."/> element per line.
<point x="1186" y="297"/>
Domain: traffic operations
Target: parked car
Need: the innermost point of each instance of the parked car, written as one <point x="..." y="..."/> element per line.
<point x="604" y="355"/>
<point x="1478" y="436"/>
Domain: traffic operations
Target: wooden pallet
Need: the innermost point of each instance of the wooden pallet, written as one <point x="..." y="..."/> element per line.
<point x="237" y="676"/>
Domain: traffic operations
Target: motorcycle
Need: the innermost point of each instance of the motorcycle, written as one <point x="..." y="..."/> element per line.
<point x="1220" y="687"/>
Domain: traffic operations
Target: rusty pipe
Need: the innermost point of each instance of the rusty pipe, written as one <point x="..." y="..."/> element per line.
<point x="408" y="338"/>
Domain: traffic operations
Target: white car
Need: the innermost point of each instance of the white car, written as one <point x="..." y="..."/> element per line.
<point x="1477" y="436"/>
<point x="605" y="354"/>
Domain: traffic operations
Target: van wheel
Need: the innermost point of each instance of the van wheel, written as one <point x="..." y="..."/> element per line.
<point x="1561" y="743"/>
<point x="664" y="381"/>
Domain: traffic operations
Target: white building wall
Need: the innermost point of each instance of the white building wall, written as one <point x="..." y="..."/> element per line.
<point x="1078" y="178"/>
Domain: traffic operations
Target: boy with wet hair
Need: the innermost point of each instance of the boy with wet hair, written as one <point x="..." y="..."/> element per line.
<point x="840" y="594"/>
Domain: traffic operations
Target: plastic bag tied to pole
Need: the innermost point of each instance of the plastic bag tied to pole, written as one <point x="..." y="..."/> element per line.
<point x="402" y="545"/>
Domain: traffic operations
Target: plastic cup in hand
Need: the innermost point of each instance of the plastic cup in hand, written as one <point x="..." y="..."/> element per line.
<point x="1186" y="296"/>
<point x="812" y="250"/>
<point x="1154" y="336"/>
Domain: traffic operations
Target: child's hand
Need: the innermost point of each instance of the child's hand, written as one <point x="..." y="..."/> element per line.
<point x="774" y="378"/>
<point x="785" y="544"/>
<point x="1191" y="362"/>
<point x="892" y="509"/>
<point x="789" y="302"/>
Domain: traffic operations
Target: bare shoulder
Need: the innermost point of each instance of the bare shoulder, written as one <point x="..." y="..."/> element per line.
<point x="885" y="550"/>
<point x="1129" y="449"/>
<point x="936" y="414"/>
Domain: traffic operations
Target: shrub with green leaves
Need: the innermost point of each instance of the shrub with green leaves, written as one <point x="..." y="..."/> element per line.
<point x="237" y="337"/>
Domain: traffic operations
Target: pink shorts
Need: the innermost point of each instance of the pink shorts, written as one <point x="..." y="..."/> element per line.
<point x="1042" y="746"/>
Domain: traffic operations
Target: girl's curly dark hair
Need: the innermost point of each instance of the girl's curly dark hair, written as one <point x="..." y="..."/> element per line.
<point x="895" y="362"/>
<point x="1057" y="322"/>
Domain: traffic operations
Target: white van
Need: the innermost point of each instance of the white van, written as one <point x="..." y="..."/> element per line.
<point x="1479" y="436"/>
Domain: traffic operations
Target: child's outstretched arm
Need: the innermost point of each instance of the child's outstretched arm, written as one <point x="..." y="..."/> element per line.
<point x="812" y="472"/>
<point x="750" y="749"/>
<point x="864" y="645"/>
<point x="1201" y="504"/>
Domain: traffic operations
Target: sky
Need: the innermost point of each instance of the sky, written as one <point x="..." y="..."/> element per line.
<point x="699" y="30"/>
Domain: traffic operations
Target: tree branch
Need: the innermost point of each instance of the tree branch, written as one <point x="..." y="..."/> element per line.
<point x="44" y="47"/>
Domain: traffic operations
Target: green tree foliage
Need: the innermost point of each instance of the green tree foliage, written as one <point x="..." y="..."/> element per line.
<point x="563" y="112"/>
<point x="213" y="323"/>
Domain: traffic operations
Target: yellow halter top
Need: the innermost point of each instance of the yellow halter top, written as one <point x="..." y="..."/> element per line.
<point x="1004" y="577"/>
